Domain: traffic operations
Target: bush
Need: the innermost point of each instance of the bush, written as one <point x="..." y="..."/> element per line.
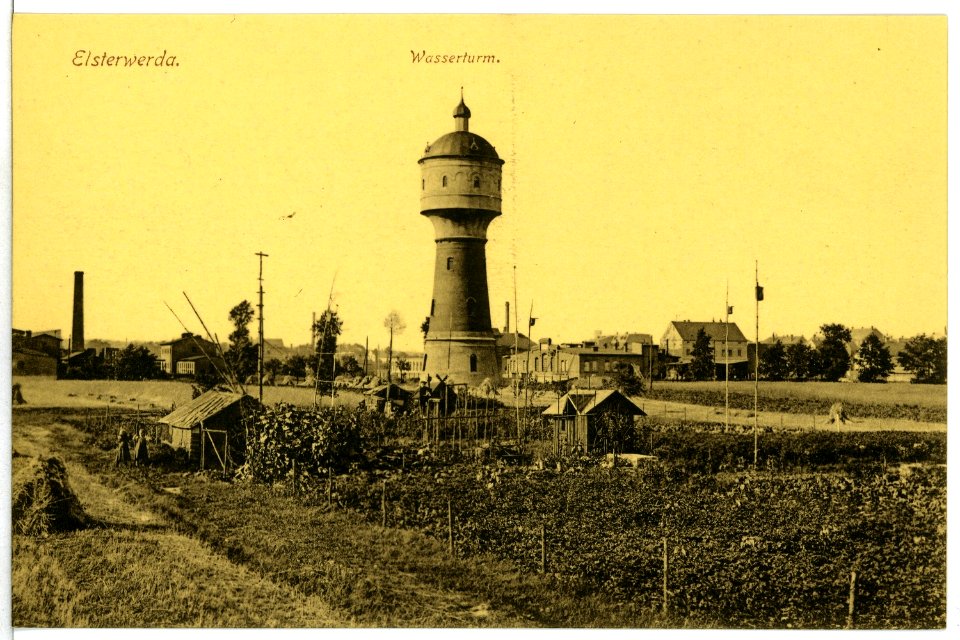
<point x="314" y="439"/>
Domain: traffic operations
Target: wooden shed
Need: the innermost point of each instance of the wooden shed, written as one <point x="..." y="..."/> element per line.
<point x="212" y="425"/>
<point x="574" y="417"/>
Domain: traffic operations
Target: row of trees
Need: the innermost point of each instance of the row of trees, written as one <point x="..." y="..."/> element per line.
<point x="322" y="364"/>
<point x="923" y="356"/>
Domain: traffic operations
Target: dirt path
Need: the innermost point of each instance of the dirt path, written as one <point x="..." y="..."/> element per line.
<point x="185" y="563"/>
<point x="197" y="561"/>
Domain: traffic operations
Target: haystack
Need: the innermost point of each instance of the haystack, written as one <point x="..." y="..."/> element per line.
<point x="43" y="502"/>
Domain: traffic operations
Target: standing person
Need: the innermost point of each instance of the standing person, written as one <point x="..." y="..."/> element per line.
<point x="140" y="455"/>
<point x="123" y="452"/>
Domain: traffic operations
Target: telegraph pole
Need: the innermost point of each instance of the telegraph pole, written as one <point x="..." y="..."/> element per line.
<point x="262" y="255"/>
<point x="726" y="360"/>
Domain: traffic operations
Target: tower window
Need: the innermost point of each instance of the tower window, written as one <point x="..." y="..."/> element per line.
<point x="424" y="362"/>
<point x="444" y="180"/>
<point x="476" y="182"/>
<point x="433" y="305"/>
<point x="473" y="363"/>
<point x="471" y="307"/>
<point x="449" y="263"/>
<point x="423" y="184"/>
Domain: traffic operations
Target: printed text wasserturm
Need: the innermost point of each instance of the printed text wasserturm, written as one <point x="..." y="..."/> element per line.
<point x="454" y="58"/>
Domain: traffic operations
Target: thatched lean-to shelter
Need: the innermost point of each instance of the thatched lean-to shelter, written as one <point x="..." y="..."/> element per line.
<point x="376" y="399"/>
<point x="212" y="427"/>
<point x="574" y="417"/>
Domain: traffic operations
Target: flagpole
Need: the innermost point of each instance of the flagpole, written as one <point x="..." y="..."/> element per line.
<point x="756" y="363"/>
<point x="726" y="356"/>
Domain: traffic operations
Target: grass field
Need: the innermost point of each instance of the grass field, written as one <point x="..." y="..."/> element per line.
<point x="42" y="391"/>
<point x="926" y="395"/>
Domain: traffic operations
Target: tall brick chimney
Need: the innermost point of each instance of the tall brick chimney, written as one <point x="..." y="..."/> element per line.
<point x="77" y="338"/>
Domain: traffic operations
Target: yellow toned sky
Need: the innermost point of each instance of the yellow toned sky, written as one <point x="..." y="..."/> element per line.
<point x="649" y="161"/>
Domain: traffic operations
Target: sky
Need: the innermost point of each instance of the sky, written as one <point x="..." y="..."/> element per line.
<point x="652" y="163"/>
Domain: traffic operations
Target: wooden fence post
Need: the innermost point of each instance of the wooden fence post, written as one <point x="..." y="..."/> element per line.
<point x="543" y="548"/>
<point x="450" y="524"/>
<point x="329" y="487"/>
<point x="852" y="600"/>
<point x="383" y="504"/>
<point x="665" y="570"/>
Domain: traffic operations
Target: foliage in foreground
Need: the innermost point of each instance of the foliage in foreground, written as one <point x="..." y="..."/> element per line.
<point x="749" y="551"/>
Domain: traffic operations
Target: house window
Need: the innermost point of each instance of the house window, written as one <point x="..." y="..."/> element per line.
<point x="476" y="182"/>
<point x="449" y="263"/>
<point x="473" y="363"/>
<point x="739" y="352"/>
<point x="444" y="180"/>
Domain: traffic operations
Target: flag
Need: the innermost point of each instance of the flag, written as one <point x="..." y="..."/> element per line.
<point x="533" y="321"/>
<point x="729" y="311"/>
<point x="759" y="293"/>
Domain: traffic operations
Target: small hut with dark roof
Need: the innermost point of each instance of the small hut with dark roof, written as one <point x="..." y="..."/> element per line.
<point x="574" y="417"/>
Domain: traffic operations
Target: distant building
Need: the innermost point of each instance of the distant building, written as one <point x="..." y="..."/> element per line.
<point x="188" y="345"/>
<point x="730" y="347"/>
<point x="586" y="362"/>
<point x="786" y="340"/>
<point x="34" y="354"/>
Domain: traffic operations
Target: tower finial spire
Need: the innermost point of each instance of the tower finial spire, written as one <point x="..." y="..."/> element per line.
<point x="461" y="115"/>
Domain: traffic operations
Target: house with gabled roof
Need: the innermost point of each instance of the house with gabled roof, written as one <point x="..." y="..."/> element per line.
<point x="730" y="346"/>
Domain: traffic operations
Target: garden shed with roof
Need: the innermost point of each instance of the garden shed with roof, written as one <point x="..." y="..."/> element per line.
<point x="575" y="417"/>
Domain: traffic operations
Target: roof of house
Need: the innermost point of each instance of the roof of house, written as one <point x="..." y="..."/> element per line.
<point x="190" y="338"/>
<point x="203" y="408"/>
<point x="716" y="331"/>
<point x="625" y="339"/>
<point x="511" y="338"/>
<point x="583" y="402"/>
<point x="396" y="392"/>
<point x="27" y="351"/>
<point x="785" y="340"/>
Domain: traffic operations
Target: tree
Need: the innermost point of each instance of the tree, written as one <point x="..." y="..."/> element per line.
<point x="832" y="353"/>
<point x="349" y="366"/>
<point x="403" y="365"/>
<point x="801" y="361"/>
<point x="626" y="379"/>
<point x="701" y="366"/>
<point x="873" y="360"/>
<point x="296" y="366"/>
<point x="135" y="363"/>
<point x="773" y="362"/>
<point x="241" y="355"/>
<point x="395" y="324"/>
<point x="425" y="327"/>
<point x="926" y="358"/>
<point x="273" y="366"/>
<point x="327" y="327"/>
